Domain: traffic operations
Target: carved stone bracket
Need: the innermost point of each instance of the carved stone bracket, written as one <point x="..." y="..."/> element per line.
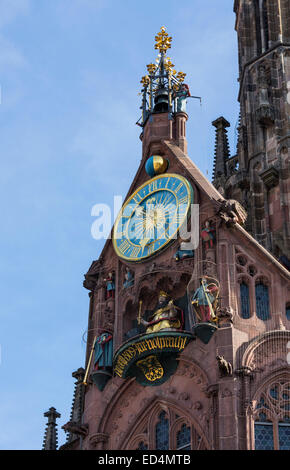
<point x="212" y="390"/>
<point x="265" y="114"/>
<point x="270" y="177"/>
<point x="98" y="439"/>
<point x="225" y="316"/>
<point x="244" y="372"/>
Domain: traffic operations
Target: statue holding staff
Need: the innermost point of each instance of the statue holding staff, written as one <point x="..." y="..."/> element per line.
<point x="204" y="300"/>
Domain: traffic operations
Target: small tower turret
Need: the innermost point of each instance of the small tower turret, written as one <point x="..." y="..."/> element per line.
<point x="222" y="152"/>
<point x="50" y="436"/>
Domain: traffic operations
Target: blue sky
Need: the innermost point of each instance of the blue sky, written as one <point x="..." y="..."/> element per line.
<point x="69" y="76"/>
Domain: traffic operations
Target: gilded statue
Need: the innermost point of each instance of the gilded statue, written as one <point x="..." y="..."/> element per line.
<point x="166" y="316"/>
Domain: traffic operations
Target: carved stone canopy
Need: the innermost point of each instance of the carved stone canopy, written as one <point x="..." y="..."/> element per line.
<point x="270" y="177"/>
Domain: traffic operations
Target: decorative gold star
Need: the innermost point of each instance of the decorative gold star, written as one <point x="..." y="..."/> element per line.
<point x="163" y="41"/>
<point x="181" y="76"/>
<point x="145" y="80"/>
<point x="151" y="68"/>
<point x="168" y="65"/>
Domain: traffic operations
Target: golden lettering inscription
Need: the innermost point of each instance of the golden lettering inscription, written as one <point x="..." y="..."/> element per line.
<point x="158" y="344"/>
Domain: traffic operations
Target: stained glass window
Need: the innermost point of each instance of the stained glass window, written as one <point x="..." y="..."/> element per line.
<point x="162" y="432"/>
<point x="264" y="436"/>
<point x="142" y="446"/>
<point x="262" y="404"/>
<point x="284" y="436"/>
<point x="183" y="438"/>
<point x="262" y="301"/>
<point x="245" y="300"/>
<point x="272" y="415"/>
<point x="274" y="392"/>
<point x="288" y="312"/>
<point x="166" y="424"/>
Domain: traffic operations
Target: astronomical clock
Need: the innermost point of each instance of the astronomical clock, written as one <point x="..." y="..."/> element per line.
<point x="152" y="216"/>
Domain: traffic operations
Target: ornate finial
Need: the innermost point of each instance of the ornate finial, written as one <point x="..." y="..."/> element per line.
<point x="73" y="427"/>
<point x="163" y="41"/>
<point x="50" y="437"/>
<point x="164" y="90"/>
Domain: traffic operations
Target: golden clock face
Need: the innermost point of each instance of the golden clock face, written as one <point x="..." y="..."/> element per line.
<point x="152" y="216"/>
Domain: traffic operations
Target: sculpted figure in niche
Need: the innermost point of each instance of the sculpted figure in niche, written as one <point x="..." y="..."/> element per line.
<point x="110" y="285"/>
<point x="183" y="252"/>
<point x="208" y="235"/>
<point x="103" y="351"/>
<point x="204" y="300"/>
<point x="129" y="278"/>
<point x="166" y="316"/>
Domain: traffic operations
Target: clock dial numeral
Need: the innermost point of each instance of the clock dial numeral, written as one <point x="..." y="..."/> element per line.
<point x="150" y="249"/>
<point x="153" y="186"/>
<point x="179" y="187"/>
<point x="183" y="200"/>
<point x="135" y="252"/>
<point x="137" y="198"/>
<point x="124" y="247"/>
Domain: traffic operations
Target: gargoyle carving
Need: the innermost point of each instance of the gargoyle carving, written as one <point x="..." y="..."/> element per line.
<point x="76" y="428"/>
<point x="232" y="212"/>
<point x="225" y="367"/>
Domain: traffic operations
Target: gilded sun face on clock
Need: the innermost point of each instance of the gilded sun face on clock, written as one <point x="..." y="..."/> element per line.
<point x="152" y="216"/>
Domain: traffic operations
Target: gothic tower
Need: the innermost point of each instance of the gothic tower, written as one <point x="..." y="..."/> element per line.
<point x="258" y="176"/>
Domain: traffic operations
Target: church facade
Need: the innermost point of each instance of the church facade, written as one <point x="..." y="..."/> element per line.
<point x="188" y="343"/>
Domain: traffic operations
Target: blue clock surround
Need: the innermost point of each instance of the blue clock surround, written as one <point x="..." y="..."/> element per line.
<point x="152" y="216"/>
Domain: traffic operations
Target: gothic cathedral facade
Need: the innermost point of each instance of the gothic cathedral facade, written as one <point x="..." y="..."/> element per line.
<point x="188" y="343"/>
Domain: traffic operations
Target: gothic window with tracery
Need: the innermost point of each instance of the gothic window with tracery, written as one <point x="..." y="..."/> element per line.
<point x="162" y="432"/>
<point x="272" y="417"/>
<point x="184" y="438"/>
<point x="262" y="301"/>
<point x="265" y="23"/>
<point x="142" y="446"/>
<point x="164" y="429"/>
<point x="245" y="300"/>
<point x="257" y="26"/>
<point x="288" y="312"/>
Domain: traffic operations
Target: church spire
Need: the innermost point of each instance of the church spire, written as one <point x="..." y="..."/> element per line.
<point x="162" y="85"/>
<point x="78" y="401"/>
<point x="50" y="436"/>
<point x="222" y="152"/>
